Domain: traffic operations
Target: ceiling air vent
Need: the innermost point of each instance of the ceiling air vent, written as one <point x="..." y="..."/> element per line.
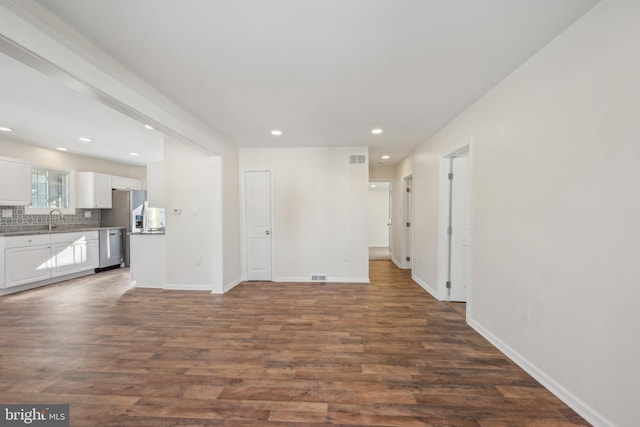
<point x="357" y="159"/>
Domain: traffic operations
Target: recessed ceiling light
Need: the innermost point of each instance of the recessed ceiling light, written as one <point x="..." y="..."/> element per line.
<point x="376" y="131"/>
<point x="133" y="154"/>
<point x="61" y="148"/>
<point x="373" y="186"/>
<point x="276" y="132"/>
<point x="84" y="139"/>
<point x="149" y="127"/>
<point x="3" y="129"/>
<point x="385" y="157"/>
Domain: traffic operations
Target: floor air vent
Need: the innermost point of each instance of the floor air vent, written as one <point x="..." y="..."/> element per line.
<point x="319" y="278"/>
<point x="357" y="159"/>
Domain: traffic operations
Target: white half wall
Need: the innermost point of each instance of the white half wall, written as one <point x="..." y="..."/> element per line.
<point x="232" y="274"/>
<point x="193" y="195"/>
<point x="555" y="208"/>
<point x="320" y="211"/>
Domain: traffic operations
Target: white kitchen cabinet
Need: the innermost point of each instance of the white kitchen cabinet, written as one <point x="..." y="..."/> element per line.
<point x="15" y="182"/>
<point x="124" y="183"/>
<point x="27" y="259"/>
<point x="155" y="184"/>
<point x="33" y="258"/>
<point x="74" y="252"/>
<point x="94" y="190"/>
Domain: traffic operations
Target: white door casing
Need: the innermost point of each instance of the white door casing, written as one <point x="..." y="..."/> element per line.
<point x="407" y="224"/>
<point x="258" y="224"/>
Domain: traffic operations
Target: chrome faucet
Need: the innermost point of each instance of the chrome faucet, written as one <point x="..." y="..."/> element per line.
<point x="51" y="224"/>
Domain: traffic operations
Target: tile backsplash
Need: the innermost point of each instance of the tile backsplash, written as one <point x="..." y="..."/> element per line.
<point x="20" y="219"/>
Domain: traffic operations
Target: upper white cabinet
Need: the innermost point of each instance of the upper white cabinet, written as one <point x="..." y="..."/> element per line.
<point x="123" y="183"/>
<point x="155" y="184"/>
<point x="94" y="190"/>
<point x="15" y="182"/>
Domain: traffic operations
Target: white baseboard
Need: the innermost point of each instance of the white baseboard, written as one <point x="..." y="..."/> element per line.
<point x="584" y="410"/>
<point x="424" y="286"/>
<point x="329" y="280"/>
<point x="399" y="264"/>
<point x="175" y="286"/>
<point x="231" y="285"/>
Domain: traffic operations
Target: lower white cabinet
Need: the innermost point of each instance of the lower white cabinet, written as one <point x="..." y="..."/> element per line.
<point x="27" y="265"/>
<point x="74" y="256"/>
<point x="29" y="259"/>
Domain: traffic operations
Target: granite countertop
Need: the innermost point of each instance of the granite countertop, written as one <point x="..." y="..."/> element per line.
<point x="24" y="231"/>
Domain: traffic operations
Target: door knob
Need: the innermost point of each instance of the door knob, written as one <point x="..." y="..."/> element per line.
<point x="267" y="232"/>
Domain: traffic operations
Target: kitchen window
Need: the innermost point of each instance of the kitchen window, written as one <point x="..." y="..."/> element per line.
<point x="50" y="189"/>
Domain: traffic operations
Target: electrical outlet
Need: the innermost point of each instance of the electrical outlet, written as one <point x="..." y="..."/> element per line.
<point x="198" y="260"/>
<point x="7" y="213"/>
<point x="87" y="214"/>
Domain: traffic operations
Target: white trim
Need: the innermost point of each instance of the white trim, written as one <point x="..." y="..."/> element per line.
<point x="584" y="410"/>
<point x="426" y="287"/>
<point x="231" y="285"/>
<point x="443" y="218"/>
<point x="177" y="287"/>
<point x="217" y="247"/>
<point x="407" y="265"/>
<point x="398" y="263"/>
<point x="307" y="279"/>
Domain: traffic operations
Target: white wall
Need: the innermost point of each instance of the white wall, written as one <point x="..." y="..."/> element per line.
<point x="231" y="218"/>
<point x="380" y="172"/>
<point x="57" y="159"/>
<point x="379" y="214"/>
<point x="320" y="209"/>
<point x="193" y="185"/>
<point x="555" y="203"/>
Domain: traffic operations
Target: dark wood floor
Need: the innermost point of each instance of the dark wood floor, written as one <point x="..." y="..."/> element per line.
<point x="264" y="354"/>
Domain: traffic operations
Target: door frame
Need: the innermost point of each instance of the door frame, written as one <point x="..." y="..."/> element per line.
<point x="444" y="203"/>
<point x="407" y="232"/>
<point x="390" y="214"/>
<point x="243" y="219"/>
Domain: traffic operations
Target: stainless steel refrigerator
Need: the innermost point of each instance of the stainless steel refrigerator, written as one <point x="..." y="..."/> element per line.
<point x="127" y="211"/>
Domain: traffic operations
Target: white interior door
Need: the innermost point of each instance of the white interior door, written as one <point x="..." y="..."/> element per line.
<point x="459" y="254"/>
<point x="258" y="224"/>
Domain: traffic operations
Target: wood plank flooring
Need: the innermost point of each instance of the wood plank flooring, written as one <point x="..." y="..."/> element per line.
<point x="264" y="354"/>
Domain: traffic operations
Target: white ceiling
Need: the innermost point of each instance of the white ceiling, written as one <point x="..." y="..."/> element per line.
<point x="325" y="72"/>
<point x="42" y="111"/>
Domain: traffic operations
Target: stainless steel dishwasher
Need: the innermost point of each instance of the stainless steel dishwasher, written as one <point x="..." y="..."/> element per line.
<point x="111" y="245"/>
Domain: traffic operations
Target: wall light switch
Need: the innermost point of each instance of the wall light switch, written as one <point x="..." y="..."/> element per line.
<point x="7" y="213"/>
<point x="194" y="211"/>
